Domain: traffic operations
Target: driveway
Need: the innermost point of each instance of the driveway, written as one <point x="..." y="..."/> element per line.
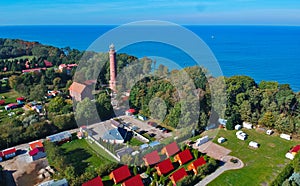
<point x="220" y="153"/>
<point x="227" y="166"/>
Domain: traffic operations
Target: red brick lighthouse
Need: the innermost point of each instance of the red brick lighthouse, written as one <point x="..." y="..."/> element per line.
<point x="113" y="68"/>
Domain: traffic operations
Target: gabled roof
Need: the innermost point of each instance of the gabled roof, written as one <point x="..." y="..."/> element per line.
<point x="48" y="63"/>
<point x="131" y="111"/>
<point x="184" y="156"/>
<point x="77" y="87"/>
<point x="134" y="181"/>
<point x="120" y="174"/>
<point x="36" y="150"/>
<point x="165" y="166"/>
<point x="9" y="151"/>
<point x="178" y="175"/>
<point x="20" y="99"/>
<point x="115" y="134"/>
<point x="199" y="162"/>
<point x="35" y="144"/>
<point x="151" y="158"/>
<point x="296" y="149"/>
<point x="94" y="182"/>
<point x="171" y="149"/>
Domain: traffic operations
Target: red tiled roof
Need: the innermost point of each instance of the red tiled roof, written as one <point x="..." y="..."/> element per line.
<point x="171" y="149"/>
<point x="165" y="166"/>
<point x="20" y="99"/>
<point x="199" y="162"/>
<point x="120" y="174"/>
<point x="36" y="150"/>
<point x="35" y="144"/>
<point x="77" y="87"/>
<point x="94" y="182"/>
<point x="2" y="101"/>
<point x="131" y="110"/>
<point x="296" y="149"/>
<point x="9" y="151"/>
<point x="134" y="181"/>
<point x="33" y="70"/>
<point x="48" y="63"/>
<point x="178" y="175"/>
<point x="151" y="158"/>
<point x="184" y="156"/>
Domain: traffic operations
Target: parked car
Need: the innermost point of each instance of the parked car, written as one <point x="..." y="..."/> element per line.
<point x="152" y="135"/>
<point x="159" y="127"/>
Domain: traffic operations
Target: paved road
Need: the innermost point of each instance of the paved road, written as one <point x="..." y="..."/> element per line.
<point x="227" y="166"/>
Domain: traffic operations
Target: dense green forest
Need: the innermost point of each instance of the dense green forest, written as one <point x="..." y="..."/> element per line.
<point x="267" y="104"/>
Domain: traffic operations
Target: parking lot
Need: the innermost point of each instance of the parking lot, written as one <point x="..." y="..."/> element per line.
<point x="143" y="127"/>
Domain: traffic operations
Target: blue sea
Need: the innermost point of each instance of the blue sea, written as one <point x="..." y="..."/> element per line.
<point x="269" y="53"/>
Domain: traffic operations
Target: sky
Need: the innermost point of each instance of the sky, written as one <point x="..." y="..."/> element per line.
<point x="115" y="12"/>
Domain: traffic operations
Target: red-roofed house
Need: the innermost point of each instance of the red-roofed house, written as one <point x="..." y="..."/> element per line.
<point x="136" y="181"/>
<point x="120" y="174"/>
<point x="183" y="157"/>
<point x="170" y="149"/>
<point x="67" y="67"/>
<point x="35" y="144"/>
<point x="164" y="167"/>
<point x="8" y="153"/>
<point x="48" y="63"/>
<point x="130" y="112"/>
<point x="178" y="175"/>
<point x="151" y="158"/>
<point x="94" y="182"/>
<point x="79" y="91"/>
<point x="1" y="156"/>
<point x="197" y="163"/>
<point x="37" y="153"/>
<point x="33" y="70"/>
<point x="20" y="100"/>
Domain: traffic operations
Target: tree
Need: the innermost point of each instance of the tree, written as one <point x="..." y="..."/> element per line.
<point x="56" y="104"/>
<point x="38" y="92"/>
<point x="268" y="120"/>
<point x="85" y="110"/>
<point x="234" y="120"/>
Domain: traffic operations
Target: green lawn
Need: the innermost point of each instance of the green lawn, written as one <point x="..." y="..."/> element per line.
<point x="83" y="156"/>
<point x="10" y="97"/>
<point x="261" y="165"/>
<point x="22" y="57"/>
<point x="135" y="142"/>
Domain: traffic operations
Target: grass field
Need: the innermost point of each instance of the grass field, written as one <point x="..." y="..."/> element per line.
<point x="83" y="156"/>
<point x="22" y="57"/>
<point x="10" y="97"/>
<point x="261" y="165"/>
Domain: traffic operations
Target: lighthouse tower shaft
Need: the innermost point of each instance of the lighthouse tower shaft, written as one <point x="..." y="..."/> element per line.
<point x="113" y="68"/>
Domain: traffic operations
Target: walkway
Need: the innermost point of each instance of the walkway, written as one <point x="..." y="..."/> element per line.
<point x="227" y="166"/>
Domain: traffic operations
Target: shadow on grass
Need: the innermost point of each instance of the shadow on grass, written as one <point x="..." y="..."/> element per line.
<point x="108" y="183"/>
<point x="77" y="158"/>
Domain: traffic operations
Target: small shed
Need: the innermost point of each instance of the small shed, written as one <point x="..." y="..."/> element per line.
<point x="130" y="112"/>
<point x="221" y="140"/>
<point x="237" y="127"/>
<point x="253" y="144"/>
